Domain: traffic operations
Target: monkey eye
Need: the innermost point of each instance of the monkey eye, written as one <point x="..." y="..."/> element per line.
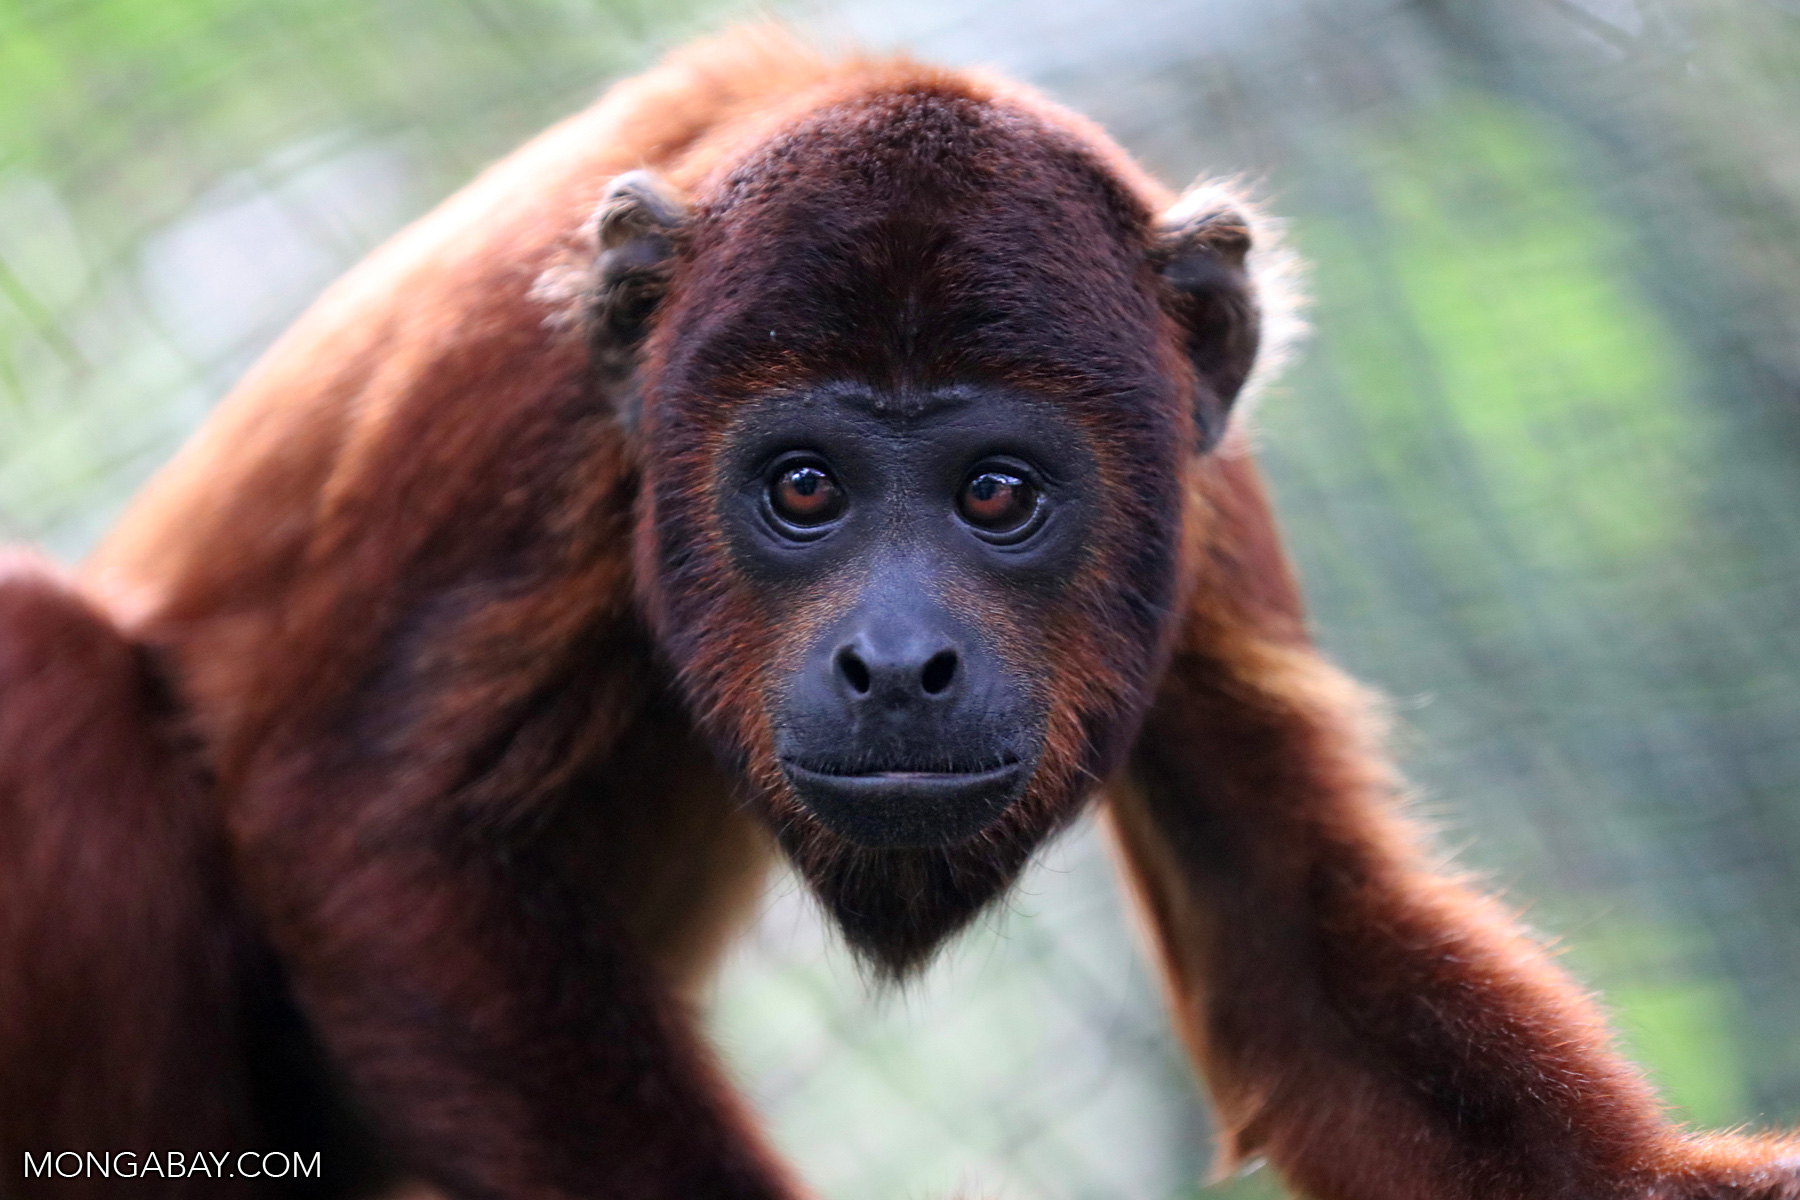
<point x="805" y="494"/>
<point x="998" y="502"/>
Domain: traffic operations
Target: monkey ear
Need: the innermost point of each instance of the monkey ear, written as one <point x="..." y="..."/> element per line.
<point x="637" y="228"/>
<point x="1201" y="247"/>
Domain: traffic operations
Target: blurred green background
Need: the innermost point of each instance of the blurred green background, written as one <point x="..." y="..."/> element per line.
<point x="1540" y="465"/>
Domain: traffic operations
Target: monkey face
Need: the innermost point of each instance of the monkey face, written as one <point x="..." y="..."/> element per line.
<point x="908" y="544"/>
<point x="923" y="624"/>
<point x="918" y="403"/>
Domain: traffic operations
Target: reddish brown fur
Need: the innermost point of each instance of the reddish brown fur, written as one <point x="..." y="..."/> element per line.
<point x="391" y="732"/>
<point x="112" y="899"/>
<point x="1371" y="1025"/>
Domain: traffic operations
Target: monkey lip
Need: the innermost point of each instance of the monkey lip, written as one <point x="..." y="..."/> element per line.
<point x="905" y="807"/>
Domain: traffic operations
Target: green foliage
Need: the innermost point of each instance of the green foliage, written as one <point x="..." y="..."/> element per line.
<point x="1683" y="1035"/>
<point x="288" y="136"/>
<point x="1504" y="353"/>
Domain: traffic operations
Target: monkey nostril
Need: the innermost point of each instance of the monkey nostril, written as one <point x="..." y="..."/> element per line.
<point x="939" y="672"/>
<point x="854" y="671"/>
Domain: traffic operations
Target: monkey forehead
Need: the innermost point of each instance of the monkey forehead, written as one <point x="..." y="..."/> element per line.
<point x="920" y="232"/>
<point x="954" y="422"/>
<point x="902" y="410"/>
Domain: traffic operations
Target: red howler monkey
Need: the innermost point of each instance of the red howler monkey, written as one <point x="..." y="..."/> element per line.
<point x="856" y="481"/>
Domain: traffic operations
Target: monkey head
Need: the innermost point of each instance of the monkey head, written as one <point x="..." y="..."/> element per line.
<point x="920" y="380"/>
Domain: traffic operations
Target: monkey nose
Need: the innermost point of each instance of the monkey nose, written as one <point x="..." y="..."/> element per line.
<point x="906" y="669"/>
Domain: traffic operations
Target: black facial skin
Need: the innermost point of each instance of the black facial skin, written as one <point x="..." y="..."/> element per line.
<point x="910" y="530"/>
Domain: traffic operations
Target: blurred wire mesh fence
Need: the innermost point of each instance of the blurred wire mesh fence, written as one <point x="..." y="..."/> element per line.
<point x="1540" y="465"/>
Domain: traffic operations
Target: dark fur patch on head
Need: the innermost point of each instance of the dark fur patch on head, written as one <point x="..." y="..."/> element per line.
<point x="904" y="238"/>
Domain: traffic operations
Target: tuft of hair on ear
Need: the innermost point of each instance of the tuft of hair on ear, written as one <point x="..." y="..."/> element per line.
<point x="1234" y="288"/>
<point x="637" y="228"/>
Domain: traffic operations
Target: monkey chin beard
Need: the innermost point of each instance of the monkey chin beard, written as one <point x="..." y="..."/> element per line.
<point x="897" y="905"/>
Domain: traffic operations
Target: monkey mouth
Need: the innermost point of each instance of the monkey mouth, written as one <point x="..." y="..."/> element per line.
<point x="906" y="806"/>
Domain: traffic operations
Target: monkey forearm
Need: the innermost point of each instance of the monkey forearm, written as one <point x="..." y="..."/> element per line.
<point x="480" y="988"/>
<point x="1377" y="1030"/>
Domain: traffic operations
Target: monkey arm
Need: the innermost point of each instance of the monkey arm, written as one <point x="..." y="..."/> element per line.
<point x="1373" y="1027"/>
<point x="448" y="940"/>
<point x="505" y="1038"/>
<point x="113" y="900"/>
